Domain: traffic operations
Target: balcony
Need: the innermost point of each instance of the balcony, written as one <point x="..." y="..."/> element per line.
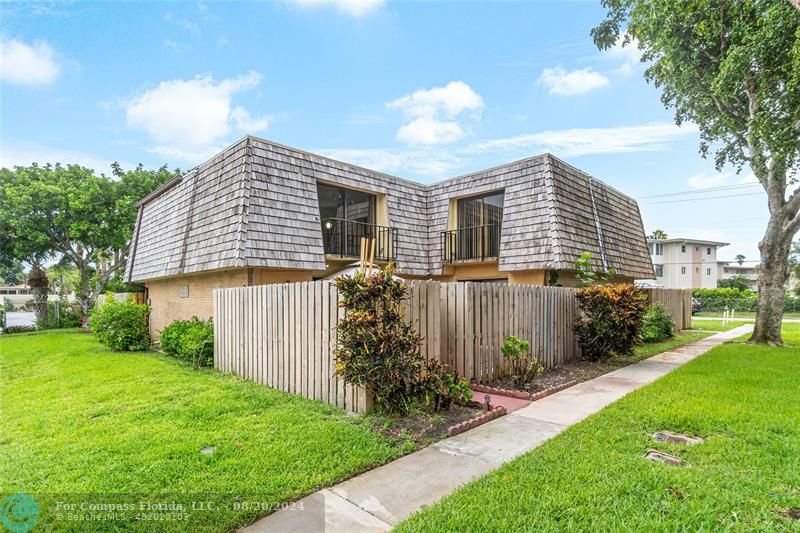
<point x="342" y="239"/>
<point x="476" y="243"/>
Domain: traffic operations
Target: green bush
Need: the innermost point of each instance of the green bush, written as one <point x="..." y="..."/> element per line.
<point x="523" y="367"/>
<point x="121" y="326"/>
<point x="68" y="316"/>
<point x="19" y="329"/>
<point x="609" y="320"/>
<point x="379" y="351"/>
<point x="190" y="340"/>
<point x="2" y="316"/>
<point x="658" y="325"/>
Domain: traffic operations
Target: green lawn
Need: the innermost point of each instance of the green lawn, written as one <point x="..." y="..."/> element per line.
<point x="717" y="325"/>
<point x="643" y="351"/>
<point x="745" y="400"/>
<point x="77" y="418"/>
<point x="745" y="314"/>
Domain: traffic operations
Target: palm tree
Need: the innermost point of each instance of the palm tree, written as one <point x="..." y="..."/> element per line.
<point x="740" y="259"/>
<point x="659" y="234"/>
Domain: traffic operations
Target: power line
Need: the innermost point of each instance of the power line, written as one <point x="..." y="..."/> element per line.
<point x="702" y="191"/>
<point x="706" y="198"/>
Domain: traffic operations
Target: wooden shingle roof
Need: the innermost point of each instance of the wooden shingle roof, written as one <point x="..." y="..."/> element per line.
<point x="255" y="205"/>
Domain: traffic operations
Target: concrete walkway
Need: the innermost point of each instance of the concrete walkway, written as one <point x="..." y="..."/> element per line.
<point x="381" y="498"/>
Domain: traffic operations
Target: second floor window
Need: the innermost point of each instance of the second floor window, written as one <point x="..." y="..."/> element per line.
<point x="683" y="270"/>
<point x="483" y="210"/>
<point x="345" y="204"/>
<point x="656" y="248"/>
<point x="708" y="272"/>
<point x="708" y="251"/>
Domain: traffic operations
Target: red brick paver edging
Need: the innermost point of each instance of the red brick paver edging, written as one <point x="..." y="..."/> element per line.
<point x="522" y="395"/>
<point x="477" y="421"/>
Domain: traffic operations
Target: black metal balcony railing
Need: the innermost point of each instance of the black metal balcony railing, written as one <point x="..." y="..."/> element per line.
<point x="342" y="238"/>
<point x="477" y="243"/>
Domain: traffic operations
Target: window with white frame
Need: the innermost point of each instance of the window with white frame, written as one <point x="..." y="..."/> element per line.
<point x="659" y="271"/>
<point x="656" y="248"/>
<point x="683" y="248"/>
<point x="708" y="272"/>
<point x="683" y="270"/>
<point x="708" y="251"/>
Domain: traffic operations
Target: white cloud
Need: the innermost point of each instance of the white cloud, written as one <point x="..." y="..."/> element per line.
<point x="433" y="114"/>
<point x="189" y="118"/>
<point x="629" y="55"/>
<point x="354" y="8"/>
<point x="569" y="83"/>
<point x="705" y="180"/>
<point x="27" y="64"/>
<point x="24" y="155"/>
<point x="424" y="162"/>
<point x="586" y="141"/>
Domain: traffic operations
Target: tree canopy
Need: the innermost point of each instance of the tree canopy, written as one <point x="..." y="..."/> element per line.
<point x="71" y="214"/>
<point x="732" y="69"/>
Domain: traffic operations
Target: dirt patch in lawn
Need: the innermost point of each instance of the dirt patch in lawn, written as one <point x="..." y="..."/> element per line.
<point x="419" y="429"/>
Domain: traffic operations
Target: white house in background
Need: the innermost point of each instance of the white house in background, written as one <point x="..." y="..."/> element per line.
<point x="728" y="269"/>
<point x="684" y="263"/>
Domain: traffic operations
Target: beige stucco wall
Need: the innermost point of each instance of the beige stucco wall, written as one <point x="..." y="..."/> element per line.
<point x="488" y="270"/>
<point x="168" y="305"/>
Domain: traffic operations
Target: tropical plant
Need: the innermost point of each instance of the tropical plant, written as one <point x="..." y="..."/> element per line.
<point x="731" y="68"/>
<point x="523" y="367"/>
<point x="121" y="325"/>
<point x="609" y="320"/>
<point x="660" y="234"/>
<point x="587" y="275"/>
<point x="734" y="282"/>
<point x="740" y="259"/>
<point x="657" y="325"/>
<point x="376" y="349"/>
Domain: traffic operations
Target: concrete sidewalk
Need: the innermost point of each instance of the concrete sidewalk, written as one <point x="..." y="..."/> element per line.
<point x="381" y="498"/>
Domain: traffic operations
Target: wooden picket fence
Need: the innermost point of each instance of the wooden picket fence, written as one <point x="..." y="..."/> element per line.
<point x="677" y="302"/>
<point x="283" y="335"/>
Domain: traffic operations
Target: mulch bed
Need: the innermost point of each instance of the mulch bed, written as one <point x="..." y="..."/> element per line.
<point x="564" y="375"/>
<point x="421" y="429"/>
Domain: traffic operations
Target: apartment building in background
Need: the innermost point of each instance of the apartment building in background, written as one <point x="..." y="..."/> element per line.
<point x="684" y="263"/>
<point x="730" y="269"/>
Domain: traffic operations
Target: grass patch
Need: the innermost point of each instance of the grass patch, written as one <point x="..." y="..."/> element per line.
<point x="77" y="418"/>
<point x="643" y="351"/>
<point x="745" y="314"/>
<point x="745" y="400"/>
<point x="717" y="325"/>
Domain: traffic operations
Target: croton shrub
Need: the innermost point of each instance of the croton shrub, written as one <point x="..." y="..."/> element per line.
<point x="376" y="349"/>
<point x="610" y="320"/>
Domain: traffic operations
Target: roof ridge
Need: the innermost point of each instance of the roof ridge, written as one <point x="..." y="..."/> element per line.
<point x="555" y="240"/>
<point x="244" y="204"/>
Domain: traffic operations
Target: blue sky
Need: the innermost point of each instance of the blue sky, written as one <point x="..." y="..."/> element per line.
<point x="422" y="90"/>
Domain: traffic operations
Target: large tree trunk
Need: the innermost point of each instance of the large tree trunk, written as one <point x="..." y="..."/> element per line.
<point x="85" y="295"/>
<point x="772" y="277"/>
<point x="37" y="281"/>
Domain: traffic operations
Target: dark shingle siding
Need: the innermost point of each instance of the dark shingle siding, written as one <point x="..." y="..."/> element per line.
<point x="256" y="205"/>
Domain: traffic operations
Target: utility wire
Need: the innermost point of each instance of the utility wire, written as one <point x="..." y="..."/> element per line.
<point x="706" y="198"/>
<point x="702" y="191"/>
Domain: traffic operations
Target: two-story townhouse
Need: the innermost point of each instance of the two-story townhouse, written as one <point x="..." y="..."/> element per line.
<point x="685" y="263"/>
<point x="260" y="212"/>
